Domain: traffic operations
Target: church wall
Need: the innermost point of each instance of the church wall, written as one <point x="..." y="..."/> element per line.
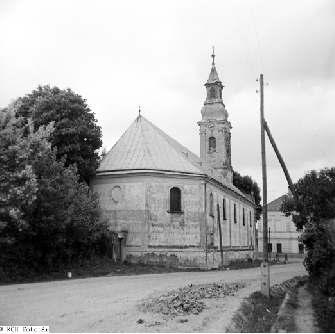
<point x="234" y="235"/>
<point x="139" y="205"/>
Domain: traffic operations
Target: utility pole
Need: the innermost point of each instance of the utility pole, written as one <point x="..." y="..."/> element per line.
<point x="265" y="268"/>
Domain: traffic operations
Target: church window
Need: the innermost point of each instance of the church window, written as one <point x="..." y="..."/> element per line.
<point x="250" y="218"/>
<point x="211" y="144"/>
<point x="243" y="217"/>
<point x="224" y="209"/>
<point x="212" y="93"/>
<point x="211" y="205"/>
<point x="235" y="217"/>
<point x="175" y="199"/>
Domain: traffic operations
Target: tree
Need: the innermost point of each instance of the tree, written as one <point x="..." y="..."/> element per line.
<point x="248" y="186"/>
<point x="65" y="218"/>
<point x="76" y="134"/>
<point x="18" y="184"/>
<point x="313" y="210"/>
<point x="47" y="217"/>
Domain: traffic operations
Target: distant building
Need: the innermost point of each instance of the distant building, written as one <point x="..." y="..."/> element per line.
<point x="165" y="204"/>
<point x="283" y="236"/>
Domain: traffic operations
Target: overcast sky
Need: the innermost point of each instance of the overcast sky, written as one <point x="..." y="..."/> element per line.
<point x="121" y="54"/>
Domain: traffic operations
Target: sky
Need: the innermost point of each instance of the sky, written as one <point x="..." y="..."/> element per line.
<point x="156" y="54"/>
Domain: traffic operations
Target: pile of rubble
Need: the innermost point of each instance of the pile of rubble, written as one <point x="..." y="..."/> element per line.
<point x="190" y="299"/>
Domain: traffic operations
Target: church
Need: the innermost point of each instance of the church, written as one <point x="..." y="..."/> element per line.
<point x="168" y="206"/>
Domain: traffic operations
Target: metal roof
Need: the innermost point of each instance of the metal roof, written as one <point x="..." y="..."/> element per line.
<point x="144" y="146"/>
<point x="213" y="75"/>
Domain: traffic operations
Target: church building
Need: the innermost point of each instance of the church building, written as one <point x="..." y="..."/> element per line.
<point x="168" y="206"/>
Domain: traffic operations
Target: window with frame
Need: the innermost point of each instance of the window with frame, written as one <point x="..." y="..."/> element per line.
<point x="211" y="144"/>
<point x="235" y="216"/>
<point x="211" y="205"/>
<point x="224" y="209"/>
<point x="175" y="199"/>
<point x="250" y="221"/>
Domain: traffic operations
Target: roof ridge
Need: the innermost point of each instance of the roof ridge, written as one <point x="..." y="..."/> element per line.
<point x="168" y="139"/>
<point x="173" y="142"/>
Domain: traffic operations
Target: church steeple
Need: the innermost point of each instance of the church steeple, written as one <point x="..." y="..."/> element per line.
<point x="213" y="105"/>
<point x="215" y="128"/>
<point x="213" y="75"/>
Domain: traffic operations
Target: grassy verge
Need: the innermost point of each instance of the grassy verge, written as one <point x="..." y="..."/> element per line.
<point x="324" y="309"/>
<point x="259" y="313"/>
<point x="93" y="268"/>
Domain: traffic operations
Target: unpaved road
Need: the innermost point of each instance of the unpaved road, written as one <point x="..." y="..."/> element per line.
<point x="109" y="304"/>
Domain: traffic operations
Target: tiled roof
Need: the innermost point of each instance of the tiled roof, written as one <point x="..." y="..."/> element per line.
<point x="144" y="146"/>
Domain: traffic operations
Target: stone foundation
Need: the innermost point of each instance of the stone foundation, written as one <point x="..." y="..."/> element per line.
<point x="196" y="257"/>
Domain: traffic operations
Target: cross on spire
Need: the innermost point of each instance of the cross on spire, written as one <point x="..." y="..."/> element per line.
<point x="139" y="110"/>
<point x="213" y="55"/>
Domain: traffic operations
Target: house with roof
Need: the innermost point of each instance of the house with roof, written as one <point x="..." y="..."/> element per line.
<point x="283" y="236"/>
<point x="169" y="206"/>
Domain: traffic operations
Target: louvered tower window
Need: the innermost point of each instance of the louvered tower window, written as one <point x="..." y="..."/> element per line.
<point x="211" y="144"/>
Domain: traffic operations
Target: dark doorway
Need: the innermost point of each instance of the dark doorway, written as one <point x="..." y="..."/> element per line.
<point x="279" y="250"/>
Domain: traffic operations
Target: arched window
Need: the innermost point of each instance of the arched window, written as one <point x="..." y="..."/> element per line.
<point x="211" y="144"/>
<point x="175" y="199"/>
<point x="224" y="209"/>
<point x="211" y="205"/>
<point x="235" y="216"/>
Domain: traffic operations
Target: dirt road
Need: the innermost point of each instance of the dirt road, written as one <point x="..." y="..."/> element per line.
<point x="109" y="304"/>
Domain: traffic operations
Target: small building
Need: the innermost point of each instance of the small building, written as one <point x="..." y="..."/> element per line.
<point x="169" y="206"/>
<point x="283" y="236"/>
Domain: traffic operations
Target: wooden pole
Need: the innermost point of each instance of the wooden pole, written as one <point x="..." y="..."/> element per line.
<point x="265" y="269"/>
<point x="280" y="158"/>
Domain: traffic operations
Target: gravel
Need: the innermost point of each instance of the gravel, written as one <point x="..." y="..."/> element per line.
<point x="190" y="299"/>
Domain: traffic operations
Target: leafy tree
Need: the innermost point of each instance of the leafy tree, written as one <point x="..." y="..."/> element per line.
<point x="248" y="186"/>
<point x="76" y="136"/>
<point x="316" y="194"/>
<point x="18" y="184"/>
<point x="65" y="217"/>
<point x="47" y="217"/>
<point x="313" y="212"/>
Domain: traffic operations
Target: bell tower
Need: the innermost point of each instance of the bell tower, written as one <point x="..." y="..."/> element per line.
<point x="215" y="137"/>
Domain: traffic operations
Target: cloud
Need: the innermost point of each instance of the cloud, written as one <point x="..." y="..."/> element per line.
<point x="121" y="54"/>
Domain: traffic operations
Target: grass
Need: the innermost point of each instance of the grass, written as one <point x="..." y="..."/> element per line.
<point x="93" y="268"/>
<point x="324" y="309"/>
<point x="258" y="313"/>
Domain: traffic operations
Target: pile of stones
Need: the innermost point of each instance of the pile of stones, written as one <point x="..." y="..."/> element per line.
<point x="190" y="299"/>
